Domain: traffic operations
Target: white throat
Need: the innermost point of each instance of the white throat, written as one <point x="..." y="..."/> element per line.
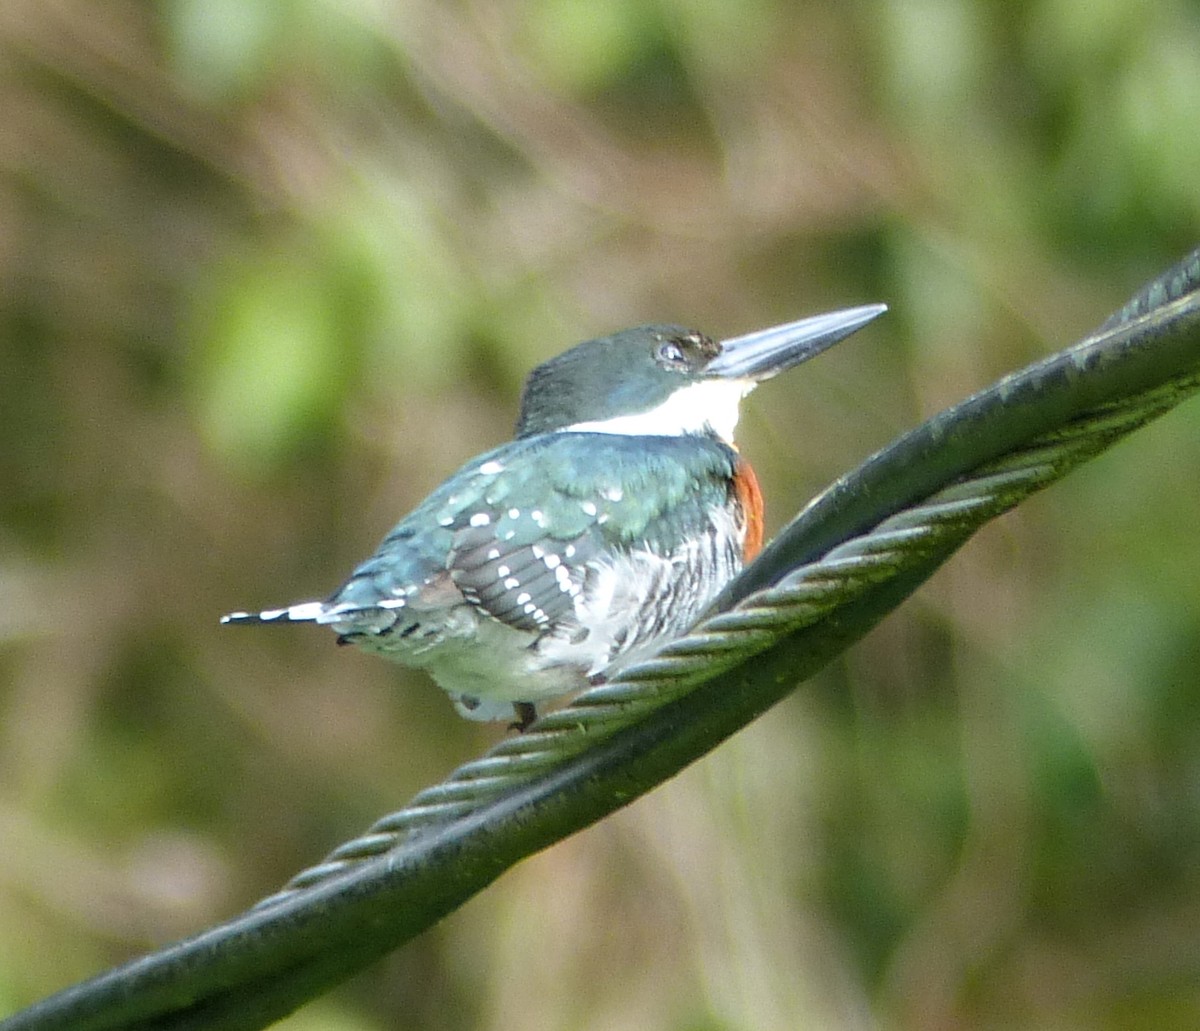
<point x="710" y="405"/>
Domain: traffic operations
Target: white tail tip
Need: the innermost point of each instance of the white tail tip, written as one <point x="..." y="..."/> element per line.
<point x="305" y="612"/>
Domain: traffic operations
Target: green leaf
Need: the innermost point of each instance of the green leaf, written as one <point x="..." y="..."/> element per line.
<point x="272" y="361"/>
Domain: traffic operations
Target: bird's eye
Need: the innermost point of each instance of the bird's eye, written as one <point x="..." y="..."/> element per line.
<point x="684" y="351"/>
<point x="670" y="353"/>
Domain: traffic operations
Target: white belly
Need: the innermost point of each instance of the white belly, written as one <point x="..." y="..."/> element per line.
<point x="627" y="606"/>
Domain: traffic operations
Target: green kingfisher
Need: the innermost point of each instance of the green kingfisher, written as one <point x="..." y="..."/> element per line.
<point x="611" y="520"/>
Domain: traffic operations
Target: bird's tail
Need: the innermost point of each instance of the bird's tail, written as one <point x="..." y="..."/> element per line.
<point x="304" y="612"/>
<point x="343" y="616"/>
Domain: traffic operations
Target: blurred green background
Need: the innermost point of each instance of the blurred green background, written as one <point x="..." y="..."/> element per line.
<point x="269" y="271"/>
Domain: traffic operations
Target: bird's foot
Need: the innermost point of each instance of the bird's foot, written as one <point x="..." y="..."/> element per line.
<point x="526" y="713"/>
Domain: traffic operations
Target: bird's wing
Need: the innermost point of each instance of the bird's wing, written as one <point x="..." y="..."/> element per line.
<point x="525" y="547"/>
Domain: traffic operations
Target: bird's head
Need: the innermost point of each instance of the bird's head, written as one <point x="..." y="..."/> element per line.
<point x="662" y="380"/>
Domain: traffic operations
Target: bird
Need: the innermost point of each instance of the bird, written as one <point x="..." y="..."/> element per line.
<point x="609" y="522"/>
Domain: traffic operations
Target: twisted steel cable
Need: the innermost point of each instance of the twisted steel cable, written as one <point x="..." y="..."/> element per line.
<point x="936" y="526"/>
<point x="854" y="554"/>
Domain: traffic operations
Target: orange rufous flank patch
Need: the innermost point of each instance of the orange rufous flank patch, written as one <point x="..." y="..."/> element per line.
<point x="749" y="496"/>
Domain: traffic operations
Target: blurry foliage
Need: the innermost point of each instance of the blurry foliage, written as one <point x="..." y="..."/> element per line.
<point x="269" y="271"/>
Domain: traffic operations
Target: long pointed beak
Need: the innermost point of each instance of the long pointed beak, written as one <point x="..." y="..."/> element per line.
<point x="767" y="352"/>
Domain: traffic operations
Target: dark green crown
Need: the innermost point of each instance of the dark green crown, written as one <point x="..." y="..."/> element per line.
<point x="628" y="372"/>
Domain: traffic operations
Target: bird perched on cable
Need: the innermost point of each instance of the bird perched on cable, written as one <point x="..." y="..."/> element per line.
<point x="611" y="520"/>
